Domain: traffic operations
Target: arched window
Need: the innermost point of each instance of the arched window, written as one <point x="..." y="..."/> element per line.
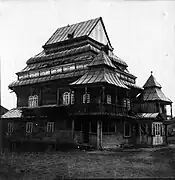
<point x="66" y="98"/>
<point x="29" y="127"/>
<point x="128" y="104"/>
<point x="10" y="128"/>
<point x="86" y="98"/>
<point x="30" y="102"/>
<point x="72" y="97"/>
<point x="33" y="101"/>
<point x="50" y="127"/>
<point x="108" y="99"/>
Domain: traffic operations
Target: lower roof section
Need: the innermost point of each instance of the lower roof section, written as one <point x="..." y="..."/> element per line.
<point x="147" y="115"/>
<point x="100" y="75"/>
<point x="13" y="113"/>
<point x="46" y="78"/>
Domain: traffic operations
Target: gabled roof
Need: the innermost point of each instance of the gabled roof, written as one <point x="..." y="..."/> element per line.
<point x="101" y="59"/>
<point x="151" y="82"/>
<point x="100" y="75"/>
<point x="75" y="30"/>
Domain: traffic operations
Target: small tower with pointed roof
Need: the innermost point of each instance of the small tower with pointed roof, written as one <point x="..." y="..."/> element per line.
<point x="152" y="97"/>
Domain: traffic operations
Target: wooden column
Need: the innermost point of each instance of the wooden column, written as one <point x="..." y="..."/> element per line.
<point x="171" y="111"/>
<point x="58" y="96"/>
<point x="103" y="95"/>
<point x="99" y="134"/>
<point x="73" y="124"/>
<point x="90" y="127"/>
<point x="159" y="107"/>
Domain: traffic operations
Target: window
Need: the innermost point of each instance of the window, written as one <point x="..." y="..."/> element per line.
<point x="29" y="127"/>
<point x="128" y="104"/>
<point x="33" y="101"/>
<point x="108" y="99"/>
<point x="66" y="98"/>
<point x="72" y="97"/>
<point x="50" y="127"/>
<point x="10" y="127"/>
<point x="127" y="129"/>
<point x="30" y="101"/>
<point x="124" y="102"/>
<point x="86" y="98"/>
<point x="116" y="99"/>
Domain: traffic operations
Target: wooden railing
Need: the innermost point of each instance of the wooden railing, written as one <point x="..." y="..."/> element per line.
<point x="91" y="108"/>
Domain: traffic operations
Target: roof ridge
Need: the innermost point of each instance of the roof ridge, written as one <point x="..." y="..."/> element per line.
<point x="55" y="34"/>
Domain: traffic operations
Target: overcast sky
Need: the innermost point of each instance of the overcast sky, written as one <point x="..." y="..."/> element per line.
<point x="141" y="32"/>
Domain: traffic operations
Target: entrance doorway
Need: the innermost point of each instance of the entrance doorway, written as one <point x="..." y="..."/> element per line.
<point x="157" y="138"/>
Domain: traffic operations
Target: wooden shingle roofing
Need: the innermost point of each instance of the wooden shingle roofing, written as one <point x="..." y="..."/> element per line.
<point x="102" y="59"/>
<point x="100" y="75"/>
<point x="154" y="94"/>
<point x="101" y="70"/>
<point x="152" y="91"/>
<point x="151" y="82"/>
<point x="76" y="30"/>
<point x="13" y="113"/>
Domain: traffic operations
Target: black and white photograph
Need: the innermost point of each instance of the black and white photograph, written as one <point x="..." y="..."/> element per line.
<point x="87" y="89"/>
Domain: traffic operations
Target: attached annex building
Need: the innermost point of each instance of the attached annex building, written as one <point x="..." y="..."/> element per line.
<point x="78" y="91"/>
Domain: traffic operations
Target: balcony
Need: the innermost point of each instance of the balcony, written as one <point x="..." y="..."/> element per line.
<point x="98" y="109"/>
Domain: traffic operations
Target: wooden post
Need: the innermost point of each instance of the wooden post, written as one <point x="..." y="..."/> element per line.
<point x="58" y="96"/>
<point x="89" y="126"/>
<point x="99" y="134"/>
<point x="159" y="107"/>
<point x="73" y="124"/>
<point x="103" y="95"/>
<point x="171" y="110"/>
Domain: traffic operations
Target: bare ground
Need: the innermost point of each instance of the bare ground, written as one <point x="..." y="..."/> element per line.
<point x="81" y="164"/>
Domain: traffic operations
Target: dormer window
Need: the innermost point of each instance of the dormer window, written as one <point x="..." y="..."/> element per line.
<point x="70" y="35"/>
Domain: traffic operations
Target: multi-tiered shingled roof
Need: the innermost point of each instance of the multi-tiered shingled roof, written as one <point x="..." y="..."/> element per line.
<point x="68" y="53"/>
<point x="101" y="71"/>
<point x="152" y="91"/>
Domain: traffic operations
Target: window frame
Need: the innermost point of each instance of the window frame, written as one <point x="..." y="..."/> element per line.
<point x="72" y="98"/>
<point x="50" y="127"/>
<point x="29" y="125"/>
<point x="10" y="126"/>
<point x="108" y="99"/>
<point x="66" y="98"/>
<point x="86" y="98"/>
<point x="33" y="101"/>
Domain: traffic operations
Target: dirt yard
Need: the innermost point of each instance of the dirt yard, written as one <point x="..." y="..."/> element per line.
<point x="81" y="164"/>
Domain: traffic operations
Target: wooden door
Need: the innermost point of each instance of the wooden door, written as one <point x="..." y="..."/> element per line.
<point x="157" y="138"/>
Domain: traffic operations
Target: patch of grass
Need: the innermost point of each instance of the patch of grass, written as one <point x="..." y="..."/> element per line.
<point x="80" y="164"/>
